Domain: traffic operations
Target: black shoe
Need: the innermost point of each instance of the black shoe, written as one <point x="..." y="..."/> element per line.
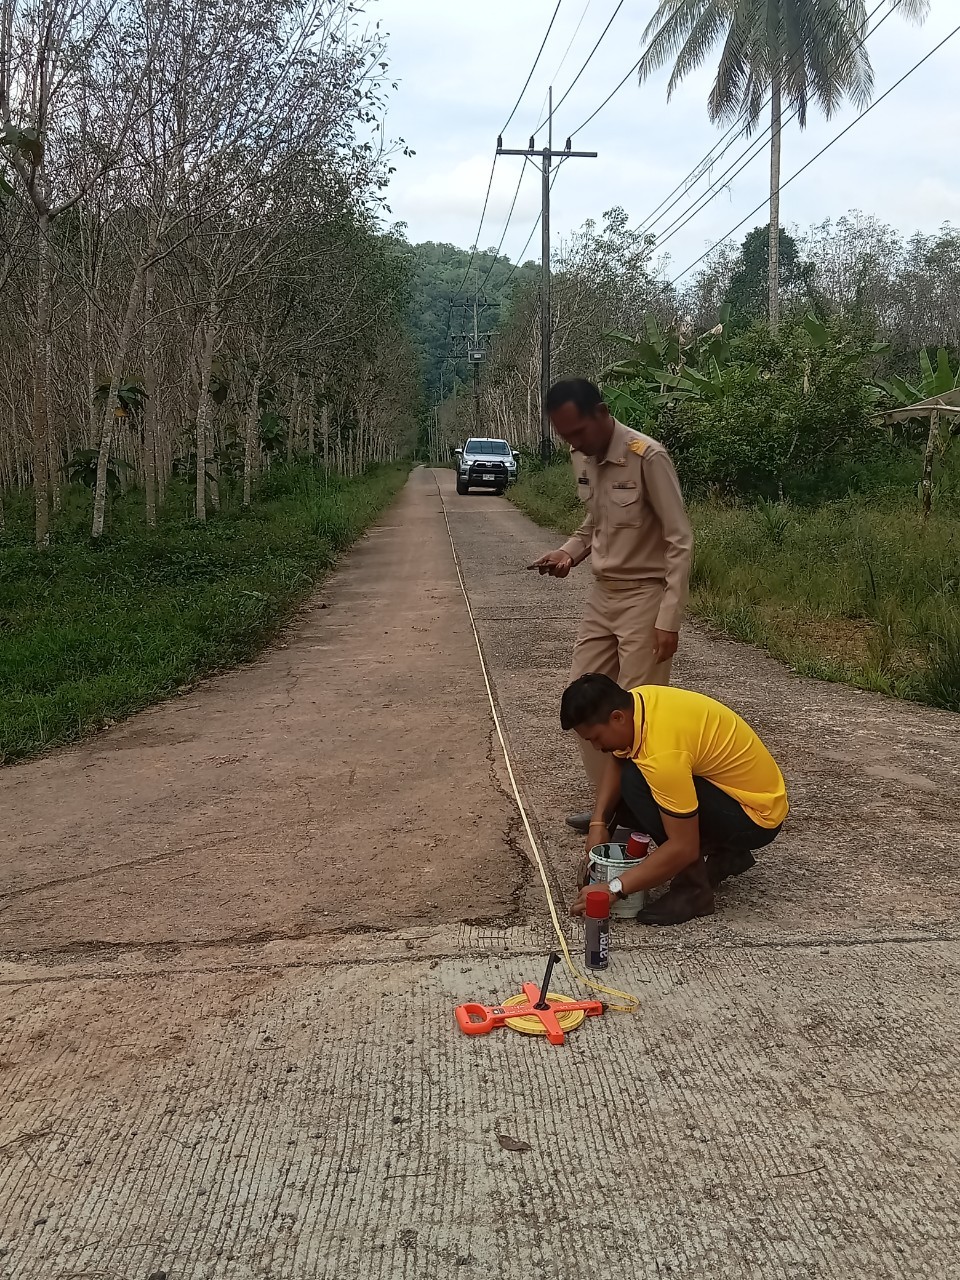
<point x="690" y="895"/>
<point x="580" y="822"/>
<point x="741" y="860"/>
<point x="724" y="863"/>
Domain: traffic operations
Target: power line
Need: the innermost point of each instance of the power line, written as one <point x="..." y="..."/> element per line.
<point x="503" y="237"/>
<point x="483" y="214"/>
<point x="608" y="98"/>
<point x="739" y="128"/>
<point x="533" y="68"/>
<point x="486" y="201"/>
<point x="560" y="65"/>
<point x="833" y="141"/>
<point x="566" y="94"/>
<point x="533" y="231"/>
<point x="453" y="302"/>
<point x="573" y="82"/>
<point x="755" y="148"/>
<point x="711" y="193"/>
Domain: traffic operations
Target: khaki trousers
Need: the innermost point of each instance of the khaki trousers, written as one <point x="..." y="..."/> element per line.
<point x="616" y="640"/>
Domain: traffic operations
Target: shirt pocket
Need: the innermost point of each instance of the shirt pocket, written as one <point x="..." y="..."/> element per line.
<point x="584" y="491"/>
<point x="625" y="506"/>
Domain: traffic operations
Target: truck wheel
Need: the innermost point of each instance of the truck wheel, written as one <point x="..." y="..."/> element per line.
<point x="462" y="487"/>
<point x="499" y="490"/>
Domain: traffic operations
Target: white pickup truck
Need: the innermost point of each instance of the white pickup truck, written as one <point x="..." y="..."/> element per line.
<point x="485" y="464"/>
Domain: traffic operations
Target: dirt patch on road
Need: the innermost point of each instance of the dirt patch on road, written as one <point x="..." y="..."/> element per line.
<point x="346" y="781"/>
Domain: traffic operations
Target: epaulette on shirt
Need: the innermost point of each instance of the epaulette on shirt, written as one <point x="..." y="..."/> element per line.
<point x="638" y="447"/>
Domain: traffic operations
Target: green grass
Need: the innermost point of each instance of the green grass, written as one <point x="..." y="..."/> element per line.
<point x="90" y="632"/>
<point x="856" y="590"/>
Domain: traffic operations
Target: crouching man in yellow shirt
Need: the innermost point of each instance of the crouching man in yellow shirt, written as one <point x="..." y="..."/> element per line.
<point x="687" y="771"/>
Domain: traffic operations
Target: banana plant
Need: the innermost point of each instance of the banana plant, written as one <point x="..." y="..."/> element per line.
<point x="660" y="357"/>
<point x="667" y="367"/>
<point x="935" y="380"/>
<point x="656" y="350"/>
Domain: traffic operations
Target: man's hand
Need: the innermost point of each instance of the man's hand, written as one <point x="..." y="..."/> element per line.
<point x="557" y="563"/>
<point x="597" y="833"/>
<point x="580" y="906"/>
<point x="665" y="644"/>
<point x="583" y="872"/>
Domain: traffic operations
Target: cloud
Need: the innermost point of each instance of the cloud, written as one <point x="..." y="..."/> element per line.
<point x="456" y="195"/>
<point x="462" y="66"/>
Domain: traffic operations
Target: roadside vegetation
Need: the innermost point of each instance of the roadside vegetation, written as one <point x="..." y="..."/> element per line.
<point x="208" y="381"/>
<point x="828" y="539"/>
<point x="93" y="629"/>
<point x="854" y="590"/>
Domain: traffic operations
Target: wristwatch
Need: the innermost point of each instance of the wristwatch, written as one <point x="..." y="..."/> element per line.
<point x="616" y="888"/>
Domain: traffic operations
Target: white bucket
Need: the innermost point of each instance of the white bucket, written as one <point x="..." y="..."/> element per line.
<point x="607" y="862"/>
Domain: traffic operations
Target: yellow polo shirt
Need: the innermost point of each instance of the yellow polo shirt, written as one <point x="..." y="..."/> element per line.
<point x="679" y="734"/>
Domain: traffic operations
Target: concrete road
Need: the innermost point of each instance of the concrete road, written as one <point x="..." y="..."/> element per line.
<point x="227" y="1049"/>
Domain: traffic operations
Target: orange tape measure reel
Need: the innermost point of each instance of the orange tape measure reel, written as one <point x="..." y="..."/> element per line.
<point x="536" y="1012"/>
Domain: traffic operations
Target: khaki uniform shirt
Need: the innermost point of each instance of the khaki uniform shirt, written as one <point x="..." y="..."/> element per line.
<point x="636" y="526"/>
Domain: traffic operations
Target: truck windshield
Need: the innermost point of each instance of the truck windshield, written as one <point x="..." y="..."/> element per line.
<point x="491" y="448"/>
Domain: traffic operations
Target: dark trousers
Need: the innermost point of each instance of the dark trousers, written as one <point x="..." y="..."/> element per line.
<point x="724" y="825"/>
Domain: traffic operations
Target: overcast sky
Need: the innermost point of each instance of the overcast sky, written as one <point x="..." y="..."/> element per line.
<point x="461" y="65"/>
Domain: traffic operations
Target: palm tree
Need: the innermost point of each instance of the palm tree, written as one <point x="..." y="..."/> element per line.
<point x="792" y="51"/>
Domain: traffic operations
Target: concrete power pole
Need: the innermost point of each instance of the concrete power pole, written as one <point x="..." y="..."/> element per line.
<point x="547" y="156"/>
<point x="476" y="356"/>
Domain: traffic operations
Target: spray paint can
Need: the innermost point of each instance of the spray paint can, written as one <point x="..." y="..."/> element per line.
<point x="638" y="846"/>
<point x="597" y="948"/>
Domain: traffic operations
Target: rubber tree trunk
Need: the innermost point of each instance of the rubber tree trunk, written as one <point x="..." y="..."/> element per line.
<point x="214" y="467"/>
<point x="41" y="389"/>
<point x="773" y="263"/>
<point x="293" y="416"/>
<point x="53" y="451"/>
<point x="150" y="387"/>
<point x="110" y="409"/>
<point x="203" y="408"/>
<point x="250" y="438"/>
<point x="311" y="425"/>
<point x="93" y="417"/>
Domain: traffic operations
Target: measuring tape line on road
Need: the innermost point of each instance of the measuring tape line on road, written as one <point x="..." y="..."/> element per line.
<point x="626" y="1002"/>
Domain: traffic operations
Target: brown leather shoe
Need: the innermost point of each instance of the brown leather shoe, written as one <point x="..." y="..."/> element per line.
<point x="690" y="895"/>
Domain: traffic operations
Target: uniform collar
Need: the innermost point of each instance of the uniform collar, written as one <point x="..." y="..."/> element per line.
<point x="617" y="450"/>
<point x="639" y="726"/>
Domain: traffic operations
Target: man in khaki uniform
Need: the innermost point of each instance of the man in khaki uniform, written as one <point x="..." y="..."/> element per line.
<point x="640" y="544"/>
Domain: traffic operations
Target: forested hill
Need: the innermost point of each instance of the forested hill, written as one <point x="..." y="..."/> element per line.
<point x="442" y="299"/>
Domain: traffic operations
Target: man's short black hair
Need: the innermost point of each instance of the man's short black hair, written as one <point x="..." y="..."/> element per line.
<point x="577" y="391"/>
<point x="592" y="700"/>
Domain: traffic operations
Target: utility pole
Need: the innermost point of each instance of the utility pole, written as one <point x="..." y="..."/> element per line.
<point x="476" y="350"/>
<point x="476" y="355"/>
<point x="547" y="156"/>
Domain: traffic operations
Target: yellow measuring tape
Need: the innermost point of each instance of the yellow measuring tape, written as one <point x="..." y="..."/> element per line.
<point x="533" y="1026"/>
<point x="625" y="1002"/>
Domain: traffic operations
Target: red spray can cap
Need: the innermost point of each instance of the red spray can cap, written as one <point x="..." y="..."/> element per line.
<point x="638" y="846"/>
<point x="598" y="904"/>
